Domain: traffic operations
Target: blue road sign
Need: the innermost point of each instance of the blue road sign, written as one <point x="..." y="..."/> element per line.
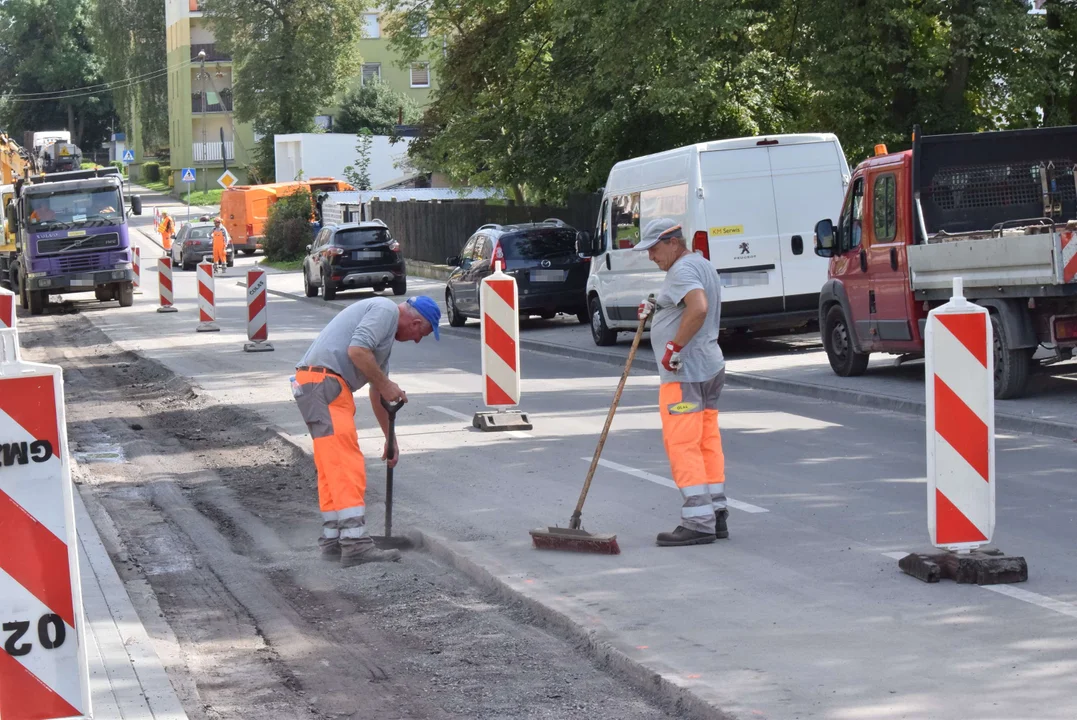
<point x="188" y="175"/>
<point x="128" y="156"/>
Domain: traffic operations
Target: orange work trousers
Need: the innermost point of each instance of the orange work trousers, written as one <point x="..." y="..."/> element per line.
<point x="328" y="408"/>
<point x="220" y="253"/>
<point x="694" y="446"/>
<point x="166" y="240"/>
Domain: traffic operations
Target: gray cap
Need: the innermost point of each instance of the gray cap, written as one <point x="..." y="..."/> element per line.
<point x="657" y="230"/>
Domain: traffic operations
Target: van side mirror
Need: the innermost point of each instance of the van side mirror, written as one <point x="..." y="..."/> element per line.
<point x="583" y="244"/>
<point x="825" y="241"/>
<point x="136" y="204"/>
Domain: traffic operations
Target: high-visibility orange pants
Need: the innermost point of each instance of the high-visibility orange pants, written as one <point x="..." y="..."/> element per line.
<point x="220" y="253"/>
<point x="694" y="446"/>
<point x="328" y="408"/>
<point x="166" y="240"/>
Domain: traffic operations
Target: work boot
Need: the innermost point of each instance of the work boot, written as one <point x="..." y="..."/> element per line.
<point x="684" y="536"/>
<point x="359" y="553"/>
<point x="721" y="530"/>
<point x="330" y="548"/>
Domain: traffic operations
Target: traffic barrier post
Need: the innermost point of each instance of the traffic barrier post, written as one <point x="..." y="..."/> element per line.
<point x="959" y="355"/>
<point x="257" y="313"/>
<point x="164" y="282"/>
<point x="136" y="265"/>
<point x="500" y="317"/>
<point x="207" y="299"/>
<point x="43" y="664"/>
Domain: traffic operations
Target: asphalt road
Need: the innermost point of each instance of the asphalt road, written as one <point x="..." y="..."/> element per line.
<point x="800" y="614"/>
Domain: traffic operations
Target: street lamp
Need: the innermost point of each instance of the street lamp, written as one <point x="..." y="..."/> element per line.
<point x="202" y="74"/>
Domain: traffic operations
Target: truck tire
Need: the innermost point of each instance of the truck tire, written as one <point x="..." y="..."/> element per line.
<point x="1012" y="366"/>
<point x="126" y="294"/>
<point x="37" y="300"/>
<point x="600" y="332"/>
<point x="247" y="252"/>
<point x="103" y="293"/>
<point x="844" y="359"/>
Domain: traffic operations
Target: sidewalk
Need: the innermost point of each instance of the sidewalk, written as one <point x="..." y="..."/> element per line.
<point x="127" y="678"/>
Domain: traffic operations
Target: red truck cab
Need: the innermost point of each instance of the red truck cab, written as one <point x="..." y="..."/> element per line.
<point x="998" y="209"/>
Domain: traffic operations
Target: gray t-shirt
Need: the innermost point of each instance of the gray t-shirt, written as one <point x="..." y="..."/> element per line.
<point x="369" y="324"/>
<point x="701" y="357"/>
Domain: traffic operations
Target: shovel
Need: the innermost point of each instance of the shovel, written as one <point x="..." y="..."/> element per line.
<point x="388" y="541"/>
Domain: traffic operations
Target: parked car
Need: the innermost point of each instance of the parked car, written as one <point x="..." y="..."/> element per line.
<point x="354" y="255"/>
<point x="551" y="277"/>
<point x="193" y="242"/>
<point x="747" y="204"/>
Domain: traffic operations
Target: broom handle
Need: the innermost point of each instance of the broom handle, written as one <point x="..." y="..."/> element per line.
<point x="575" y="522"/>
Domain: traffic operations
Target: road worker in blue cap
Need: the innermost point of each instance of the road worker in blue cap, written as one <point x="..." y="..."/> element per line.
<point x="352" y="351"/>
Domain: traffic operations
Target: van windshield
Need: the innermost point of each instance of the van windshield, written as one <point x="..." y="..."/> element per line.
<point x="361" y="237"/>
<point x="545" y="244"/>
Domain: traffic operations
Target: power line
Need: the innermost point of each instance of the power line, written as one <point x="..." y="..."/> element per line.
<point x="97" y="89"/>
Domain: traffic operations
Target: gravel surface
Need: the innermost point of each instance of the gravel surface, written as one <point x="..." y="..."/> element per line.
<point x="219" y="515"/>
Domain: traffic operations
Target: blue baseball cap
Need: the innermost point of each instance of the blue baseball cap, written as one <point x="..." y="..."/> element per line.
<point x="429" y="309"/>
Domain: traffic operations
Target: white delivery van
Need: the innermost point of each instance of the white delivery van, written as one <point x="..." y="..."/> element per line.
<point x="748" y="204"/>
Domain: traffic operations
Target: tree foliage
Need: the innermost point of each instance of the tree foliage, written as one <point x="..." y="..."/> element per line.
<point x="359" y="174"/>
<point x="375" y="106"/>
<point x="290" y="56"/>
<point x="45" y="48"/>
<point x="129" y="39"/>
<point x="288" y="230"/>
<point x="543" y="96"/>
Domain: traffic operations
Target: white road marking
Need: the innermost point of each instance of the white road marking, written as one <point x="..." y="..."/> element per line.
<point x="450" y="413"/>
<point x="666" y="482"/>
<point x="462" y="416"/>
<point x="1047" y="603"/>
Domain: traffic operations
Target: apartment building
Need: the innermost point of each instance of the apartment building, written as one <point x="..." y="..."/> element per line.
<point x="200" y="100"/>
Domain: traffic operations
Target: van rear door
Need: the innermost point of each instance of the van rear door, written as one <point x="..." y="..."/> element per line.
<point x="742" y="225"/>
<point x="808" y="183"/>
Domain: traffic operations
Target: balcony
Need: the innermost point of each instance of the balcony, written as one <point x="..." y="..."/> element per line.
<point x="213" y="102"/>
<point x="212" y="53"/>
<point x="211" y="152"/>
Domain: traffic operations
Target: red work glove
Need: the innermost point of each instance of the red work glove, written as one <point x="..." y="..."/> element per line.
<point x="672" y="359"/>
<point x="646" y="308"/>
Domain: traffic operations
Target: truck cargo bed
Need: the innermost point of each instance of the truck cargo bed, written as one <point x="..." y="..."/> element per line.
<point x="1009" y="261"/>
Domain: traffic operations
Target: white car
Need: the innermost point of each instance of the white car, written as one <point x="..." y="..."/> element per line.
<point x="748" y="204"/>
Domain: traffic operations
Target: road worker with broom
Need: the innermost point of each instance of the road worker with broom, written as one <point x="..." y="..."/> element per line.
<point x="352" y="351"/>
<point x="684" y="337"/>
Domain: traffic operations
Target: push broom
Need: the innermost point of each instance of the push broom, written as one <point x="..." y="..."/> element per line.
<point x="574" y="537"/>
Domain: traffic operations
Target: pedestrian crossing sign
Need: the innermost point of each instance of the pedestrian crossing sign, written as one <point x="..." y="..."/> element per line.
<point x="128" y="156"/>
<point x="188" y="175"/>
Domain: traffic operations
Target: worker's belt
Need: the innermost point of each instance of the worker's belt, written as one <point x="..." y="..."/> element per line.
<point x="318" y="369"/>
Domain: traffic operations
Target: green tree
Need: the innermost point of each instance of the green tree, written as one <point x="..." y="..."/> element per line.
<point x="45" y="48"/>
<point x="376" y="107"/>
<point x="288" y="230"/>
<point x="290" y="57"/>
<point x="129" y="39"/>
<point x="359" y="174"/>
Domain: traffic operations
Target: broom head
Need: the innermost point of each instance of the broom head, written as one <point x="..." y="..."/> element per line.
<point x="557" y="538"/>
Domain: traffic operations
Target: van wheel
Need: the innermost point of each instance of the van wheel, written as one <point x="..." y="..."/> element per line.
<point x="838" y="341"/>
<point x="37" y="300"/>
<point x="1011" y="365"/>
<point x="308" y="289"/>
<point x="248" y="253"/>
<point x="455" y="318"/>
<point x="600" y="332"/>
<point x="126" y="294"/>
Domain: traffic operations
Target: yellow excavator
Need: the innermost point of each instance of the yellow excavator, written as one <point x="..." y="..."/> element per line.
<point x="15" y="163"/>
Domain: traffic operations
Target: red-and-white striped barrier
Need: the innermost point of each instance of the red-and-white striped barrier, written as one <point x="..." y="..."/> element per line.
<point x="43" y="669"/>
<point x="136" y="265"/>
<point x="959" y="353"/>
<point x="164" y="283"/>
<point x="257" y="315"/>
<point x="499" y="303"/>
<point x="207" y="299"/>
<point x="9" y="337"/>
<point x="1069" y="256"/>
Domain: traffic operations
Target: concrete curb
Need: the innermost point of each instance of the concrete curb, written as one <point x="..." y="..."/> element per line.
<point x="431" y="271"/>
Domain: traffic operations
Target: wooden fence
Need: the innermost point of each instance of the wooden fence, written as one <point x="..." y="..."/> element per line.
<point x="433" y="231"/>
